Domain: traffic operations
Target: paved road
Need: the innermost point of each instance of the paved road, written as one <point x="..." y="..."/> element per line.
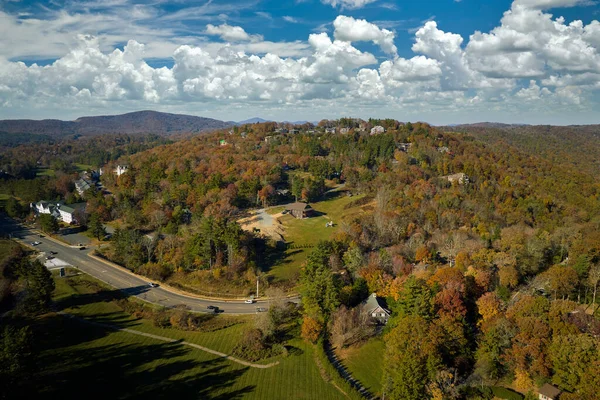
<point x="134" y="285"/>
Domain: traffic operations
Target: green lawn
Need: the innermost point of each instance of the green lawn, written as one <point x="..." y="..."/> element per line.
<point x="275" y="210"/>
<point x="365" y="363"/>
<point x="80" y="359"/>
<point x="43" y="171"/>
<point x="83" y="167"/>
<point x="309" y="231"/>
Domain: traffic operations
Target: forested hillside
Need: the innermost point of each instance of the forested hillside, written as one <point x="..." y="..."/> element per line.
<point x="140" y="122"/>
<point x="577" y="145"/>
<point x="485" y="247"/>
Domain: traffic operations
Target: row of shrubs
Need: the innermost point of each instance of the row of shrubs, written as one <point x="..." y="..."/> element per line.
<point x="300" y="246"/>
<point x="176" y="318"/>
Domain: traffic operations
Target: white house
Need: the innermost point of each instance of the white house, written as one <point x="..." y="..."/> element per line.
<point x="329" y="130"/>
<point x="461" y="178"/>
<point x="43" y="207"/>
<point x="376" y="130"/>
<point x="68" y="214"/>
<point x="375" y="308"/>
<point x="121" y="169"/>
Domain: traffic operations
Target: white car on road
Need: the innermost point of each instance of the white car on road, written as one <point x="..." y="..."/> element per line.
<point x="249" y="301"/>
<point x="36" y="243"/>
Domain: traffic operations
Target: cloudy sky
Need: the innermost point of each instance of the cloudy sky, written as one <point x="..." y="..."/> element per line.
<point x="441" y="61"/>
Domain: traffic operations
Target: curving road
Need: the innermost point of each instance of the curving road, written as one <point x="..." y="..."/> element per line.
<point x="121" y="279"/>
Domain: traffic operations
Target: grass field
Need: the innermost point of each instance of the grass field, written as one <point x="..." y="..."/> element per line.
<point x="43" y="171"/>
<point x="365" y="363"/>
<point x="6" y="247"/>
<point x="85" y="360"/>
<point x="302" y="234"/>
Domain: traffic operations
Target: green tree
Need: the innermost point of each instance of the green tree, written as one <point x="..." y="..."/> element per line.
<point x="416" y="298"/>
<point x="39" y="286"/>
<point x="495" y="341"/>
<point x="320" y="288"/>
<point x="15" y="358"/>
<point x="571" y="355"/>
<point x="96" y="227"/>
<point x="13" y="208"/>
<point x="411" y="359"/>
<point x="48" y="223"/>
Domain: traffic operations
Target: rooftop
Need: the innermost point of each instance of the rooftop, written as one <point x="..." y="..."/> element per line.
<point x="550" y="391"/>
<point x="297" y="206"/>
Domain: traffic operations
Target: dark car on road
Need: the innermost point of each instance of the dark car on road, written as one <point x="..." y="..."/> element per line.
<point x="261" y="309"/>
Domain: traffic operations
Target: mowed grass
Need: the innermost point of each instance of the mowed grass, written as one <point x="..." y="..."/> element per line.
<point x="6" y="249"/>
<point x="302" y="234"/>
<point x="83" y="359"/>
<point x="365" y="363"/>
<point x="83" y="167"/>
<point x="43" y="171"/>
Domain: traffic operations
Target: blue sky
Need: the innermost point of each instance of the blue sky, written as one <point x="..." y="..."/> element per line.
<point x="441" y="61"/>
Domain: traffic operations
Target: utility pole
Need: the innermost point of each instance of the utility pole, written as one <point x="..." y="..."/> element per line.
<point x="257" y="287"/>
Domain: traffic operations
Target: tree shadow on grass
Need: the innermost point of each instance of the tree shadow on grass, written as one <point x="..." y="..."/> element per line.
<point x="79" y="360"/>
<point x="77" y="300"/>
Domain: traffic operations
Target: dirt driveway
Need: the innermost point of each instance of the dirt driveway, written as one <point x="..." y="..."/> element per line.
<point x="268" y="224"/>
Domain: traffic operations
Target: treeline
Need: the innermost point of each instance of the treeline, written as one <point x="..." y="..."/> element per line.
<point x="25" y="291"/>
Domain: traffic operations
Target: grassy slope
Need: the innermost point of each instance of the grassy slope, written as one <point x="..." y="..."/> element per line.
<point x="309" y="231"/>
<point x="365" y="363"/>
<point x="82" y="358"/>
<point x="6" y="247"/>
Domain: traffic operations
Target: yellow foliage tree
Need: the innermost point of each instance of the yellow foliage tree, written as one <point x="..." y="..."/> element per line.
<point x="311" y="329"/>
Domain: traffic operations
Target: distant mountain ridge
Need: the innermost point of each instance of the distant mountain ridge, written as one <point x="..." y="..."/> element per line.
<point x="139" y="122"/>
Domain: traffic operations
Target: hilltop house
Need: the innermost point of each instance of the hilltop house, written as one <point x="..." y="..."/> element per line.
<point x="121" y="169"/>
<point x="345" y="130"/>
<point x="329" y="130"/>
<point x="375" y="308"/>
<point x="549" y="392"/>
<point x="404" y="146"/>
<point x="376" y="130"/>
<point x="461" y="178"/>
<point x="299" y="210"/>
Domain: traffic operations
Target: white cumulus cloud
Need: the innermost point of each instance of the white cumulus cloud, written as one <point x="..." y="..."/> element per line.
<point x="356" y="30"/>
<point x="352" y="4"/>
<point x="531" y="61"/>
<point x="231" y="33"/>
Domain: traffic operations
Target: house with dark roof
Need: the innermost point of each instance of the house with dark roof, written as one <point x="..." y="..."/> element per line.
<point x="376" y="309"/>
<point x="549" y="392"/>
<point x="300" y="210"/>
<point x="83" y="185"/>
